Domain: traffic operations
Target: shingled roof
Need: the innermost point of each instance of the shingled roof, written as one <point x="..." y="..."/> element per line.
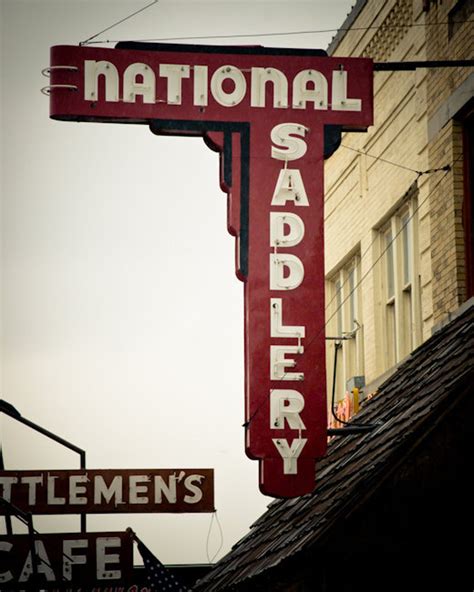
<point x="407" y="408"/>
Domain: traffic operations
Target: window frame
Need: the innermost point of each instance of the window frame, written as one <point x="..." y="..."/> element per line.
<point x="400" y="330"/>
<point x="344" y="290"/>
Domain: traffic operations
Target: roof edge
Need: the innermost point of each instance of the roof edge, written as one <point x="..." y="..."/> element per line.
<point x="351" y="17"/>
<point x="450" y="316"/>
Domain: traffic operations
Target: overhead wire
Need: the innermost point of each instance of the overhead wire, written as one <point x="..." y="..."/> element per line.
<point x="384" y="250"/>
<point x="89" y="39"/>
<point x="446" y="169"/>
<point x="271" y="34"/>
<point x="400" y="166"/>
<point x="216" y="517"/>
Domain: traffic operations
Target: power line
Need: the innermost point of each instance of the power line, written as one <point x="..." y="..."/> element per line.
<point x="89" y="40"/>
<point x="400" y="166"/>
<point x="395" y="164"/>
<point x="446" y="169"/>
<point x="274" y="34"/>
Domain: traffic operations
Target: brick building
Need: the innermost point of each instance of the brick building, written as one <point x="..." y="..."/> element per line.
<point x="398" y="224"/>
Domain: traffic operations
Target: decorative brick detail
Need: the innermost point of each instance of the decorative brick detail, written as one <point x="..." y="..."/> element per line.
<point x="391" y="32"/>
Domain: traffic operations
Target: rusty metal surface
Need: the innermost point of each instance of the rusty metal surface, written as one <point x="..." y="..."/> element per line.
<point x="408" y="405"/>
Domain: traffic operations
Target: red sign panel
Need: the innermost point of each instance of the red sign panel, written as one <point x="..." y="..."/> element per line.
<point x="95" y="491"/>
<point x="268" y="112"/>
<point x="67" y="560"/>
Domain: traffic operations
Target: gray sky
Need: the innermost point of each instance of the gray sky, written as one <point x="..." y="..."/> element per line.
<point x="122" y="320"/>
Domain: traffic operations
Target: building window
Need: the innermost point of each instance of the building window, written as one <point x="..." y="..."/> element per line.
<point x="399" y="285"/>
<point x="345" y="322"/>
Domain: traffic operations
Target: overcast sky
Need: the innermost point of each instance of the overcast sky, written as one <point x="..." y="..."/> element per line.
<point x="122" y="319"/>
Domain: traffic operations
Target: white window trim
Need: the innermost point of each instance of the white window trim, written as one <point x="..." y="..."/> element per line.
<point x="351" y="354"/>
<point x="407" y="332"/>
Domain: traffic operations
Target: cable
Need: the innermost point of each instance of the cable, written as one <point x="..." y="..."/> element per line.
<point x="214" y="515"/>
<point x="446" y="168"/>
<point x="388" y="245"/>
<point x="117" y="23"/>
<point x="275" y="34"/>
<point x="400" y="166"/>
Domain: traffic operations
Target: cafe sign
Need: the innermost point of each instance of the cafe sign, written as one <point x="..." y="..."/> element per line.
<point x="36" y="562"/>
<point x="273" y="114"/>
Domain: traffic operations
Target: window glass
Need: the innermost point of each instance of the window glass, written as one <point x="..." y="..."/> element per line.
<point x="407" y="247"/>
<point x="338" y="286"/>
<point x="390" y="266"/>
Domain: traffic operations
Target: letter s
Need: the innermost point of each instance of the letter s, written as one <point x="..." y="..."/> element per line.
<point x="291" y="148"/>
<point x="196" y="491"/>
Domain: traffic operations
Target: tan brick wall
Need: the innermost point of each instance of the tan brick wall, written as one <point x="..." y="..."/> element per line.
<point x="442" y="82"/>
<point x="448" y="255"/>
<point x="446" y="197"/>
<point x="362" y="191"/>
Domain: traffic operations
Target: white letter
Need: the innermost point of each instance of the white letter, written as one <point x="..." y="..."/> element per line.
<point x="169" y="490"/>
<point x="43" y="564"/>
<point x="228" y="99"/>
<point x="136" y="489"/>
<point x="69" y="559"/>
<point x="279" y="222"/>
<point x="278" y="264"/>
<point x="339" y="100"/>
<point x="289" y="187"/>
<point x="132" y="88"/>
<point x="102" y="558"/>
<point x="7" y="483"/>
<point x="318" y="94"/>
<point x="5" y="576"/>
<point x="276" y="322"/>
<point x="290" y="455"/>
<point x="52" y="500"/>
<point x="175" y="74"/>
<point x="75" y="489"/>
<point x="260" y="76"/>
<point x="113" y="490"/>
<point x="279" y="364"/>
<point x="291" y="148"/>
<point x="188" y="482"/>
<point x="200" y="85"/>
<point x="286" y="404"/>
<point x="92" y="71"/>
<point x="32" y="482"/>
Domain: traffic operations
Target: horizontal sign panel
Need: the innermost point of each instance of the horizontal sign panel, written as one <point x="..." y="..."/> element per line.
<point x="140" y="83"/>
<point x="66" y="560"/>
<point x="96" y="491"/>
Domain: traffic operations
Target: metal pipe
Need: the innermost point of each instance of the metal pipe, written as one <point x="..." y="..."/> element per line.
<point x="12" y="412"/>
<point x="8" y="518"/>
<point x="401" y="66"/>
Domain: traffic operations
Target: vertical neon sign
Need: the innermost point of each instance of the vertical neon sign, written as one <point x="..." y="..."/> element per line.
<point x="267" y="112"/>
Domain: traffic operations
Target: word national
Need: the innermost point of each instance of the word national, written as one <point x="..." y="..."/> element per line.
<point x="227" y="85"/>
